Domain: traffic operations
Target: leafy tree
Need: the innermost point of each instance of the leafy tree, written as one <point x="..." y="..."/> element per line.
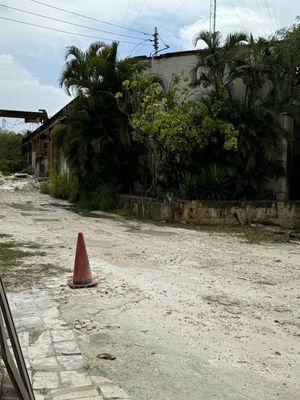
<point x="11" y="159"/>
<point x="171" y="127"/>
<point x="165" y="127"/>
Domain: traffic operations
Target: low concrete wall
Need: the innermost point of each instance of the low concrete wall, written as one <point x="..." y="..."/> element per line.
<point x="135" y="205"/>
<point x="214" y="212"/>
<point x="239" y="213"/>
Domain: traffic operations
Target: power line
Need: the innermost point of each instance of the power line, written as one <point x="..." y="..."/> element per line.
<point x="139" y="11"/>
<point x="165" y="44"/>
<point x="259" y="9"/>
<point x="139" y="44"/>
<point x="67" y="22"/>
<point x="90" y="18"/>
<point x="62" y="31"/>
<point x="272" y="25"/>
<point x="238" y="16"/>
<point x="174" y="13"/>
<point x="269" y="13"/>
<point x="251" y="15"/>
<point x="275" y="14"/>
<point x="128" y="5"/>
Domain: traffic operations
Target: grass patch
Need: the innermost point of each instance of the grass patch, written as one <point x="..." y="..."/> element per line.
<point x="15" y="268"/>
<point x="10" y="256"/>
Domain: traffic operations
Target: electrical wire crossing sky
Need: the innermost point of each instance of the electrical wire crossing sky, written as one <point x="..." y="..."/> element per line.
<point x="34" y="36"/>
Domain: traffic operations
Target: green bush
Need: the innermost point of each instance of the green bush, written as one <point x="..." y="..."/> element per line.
<point x="10" y="166"/>
<point x="210" y="183"/>
<point x="44" y="188"/>
<point x="11" y="159"/>
<point x="214" y="183"/>
<point x="28" y="169"/>
<point x="61" y="187"/>
<point x="104" y="198"/>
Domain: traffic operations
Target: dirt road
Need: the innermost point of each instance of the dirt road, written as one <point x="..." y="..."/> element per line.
<point x="188" y="314"/>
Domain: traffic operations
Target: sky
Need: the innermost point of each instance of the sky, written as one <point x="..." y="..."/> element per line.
<point x="32" y="57"/>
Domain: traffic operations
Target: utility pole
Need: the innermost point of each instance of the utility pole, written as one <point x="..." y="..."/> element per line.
<point x="155" y="41"/>
<point x="213" y="16"/>
<point x="155" y="45"/>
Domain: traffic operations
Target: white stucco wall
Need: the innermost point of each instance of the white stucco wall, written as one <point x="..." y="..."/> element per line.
<point x="167" y="65"/>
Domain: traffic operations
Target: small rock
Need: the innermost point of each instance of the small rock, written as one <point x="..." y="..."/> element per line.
<point x="106" y="356"/>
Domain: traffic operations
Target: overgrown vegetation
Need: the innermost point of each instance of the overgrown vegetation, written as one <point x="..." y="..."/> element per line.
<point x="133" y="133"/>
<point x="96" y="140"/>
<point x="61" y="186"/>
<point x="11" y="159"/>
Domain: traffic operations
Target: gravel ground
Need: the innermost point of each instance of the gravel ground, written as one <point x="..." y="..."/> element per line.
<point x="188" y="313"/>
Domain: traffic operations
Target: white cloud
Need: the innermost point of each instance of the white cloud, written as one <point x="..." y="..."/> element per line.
<point x="38" y="55"/>
<point x="233" y="17"/>
<point x="22" y="91"/>
<point x="187" y="33"/>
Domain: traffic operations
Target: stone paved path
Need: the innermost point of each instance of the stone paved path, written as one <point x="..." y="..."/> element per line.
<point x="51" y="353"/>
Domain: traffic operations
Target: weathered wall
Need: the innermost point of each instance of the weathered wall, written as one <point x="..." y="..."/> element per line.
<point x="238" y="213"/>
<point x="214" y="213"/>
<point x="135" y="205"/>
<point x="168" y="64"/>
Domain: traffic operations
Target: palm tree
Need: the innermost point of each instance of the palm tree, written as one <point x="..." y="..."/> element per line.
<point x="214" y="68"/>
<point x="96" y="70"/>
<point x="95" y="138"/>
<point x="256" y="159"/>
<point x="255" y="67"/>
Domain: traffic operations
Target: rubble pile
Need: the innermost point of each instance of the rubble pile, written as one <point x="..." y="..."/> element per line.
<point x="18" y="181"/>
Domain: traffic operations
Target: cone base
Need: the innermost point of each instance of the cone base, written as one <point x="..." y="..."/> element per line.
<point x="72" y="285"/>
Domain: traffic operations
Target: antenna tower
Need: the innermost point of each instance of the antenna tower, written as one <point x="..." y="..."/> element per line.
<point x="213" y="16"/>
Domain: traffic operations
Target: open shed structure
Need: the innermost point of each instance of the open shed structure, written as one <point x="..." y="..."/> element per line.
<point x="38" y="148"/>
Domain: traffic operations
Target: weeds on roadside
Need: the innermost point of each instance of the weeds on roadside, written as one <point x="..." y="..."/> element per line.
<point x="10" y="256"/>
<point x="61" y="187"/>
<point x="104" y="197"/>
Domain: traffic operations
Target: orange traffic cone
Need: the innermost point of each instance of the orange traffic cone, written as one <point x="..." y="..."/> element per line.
<point x="82" y="276"/>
